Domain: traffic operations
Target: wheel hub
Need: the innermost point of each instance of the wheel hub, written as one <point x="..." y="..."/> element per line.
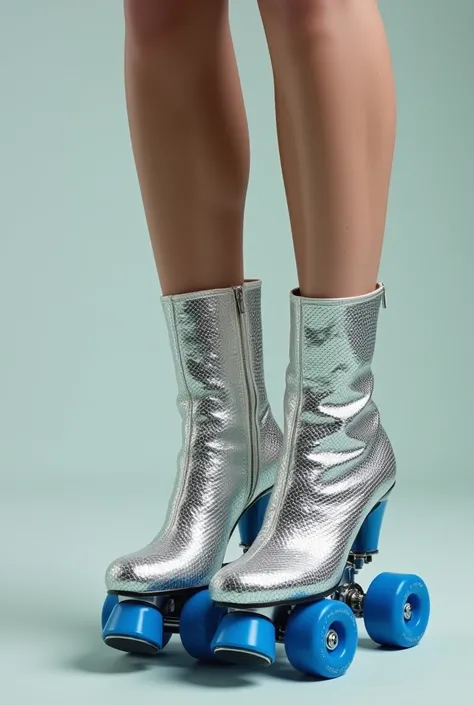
<point x="332" y="640"/>
<point x="407" y="612"/>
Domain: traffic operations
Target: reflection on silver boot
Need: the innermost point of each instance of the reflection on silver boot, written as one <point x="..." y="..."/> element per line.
<point x="231" y="442"/>
<point x="337" y="462"/>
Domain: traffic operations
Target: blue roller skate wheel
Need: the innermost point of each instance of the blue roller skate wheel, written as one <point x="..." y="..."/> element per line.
<point x="397" y="610"/>
<point x="246" y="638"/>
<point x="136" y="628"/>
<point x="197" y="625"/>
<point x="109" y="604"/>
<point x="321" y="638"/>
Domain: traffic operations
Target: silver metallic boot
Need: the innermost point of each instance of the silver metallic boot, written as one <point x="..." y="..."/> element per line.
<point x="323" y="520"/>
<point x="226" y="468"/>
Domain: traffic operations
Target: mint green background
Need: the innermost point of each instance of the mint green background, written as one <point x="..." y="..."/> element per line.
<point x="88" y="428"/>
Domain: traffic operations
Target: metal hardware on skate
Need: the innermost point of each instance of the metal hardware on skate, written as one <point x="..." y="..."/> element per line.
<point x="332" y="640"/>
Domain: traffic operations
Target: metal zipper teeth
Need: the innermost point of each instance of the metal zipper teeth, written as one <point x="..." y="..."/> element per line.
<point x="251" y="391"/>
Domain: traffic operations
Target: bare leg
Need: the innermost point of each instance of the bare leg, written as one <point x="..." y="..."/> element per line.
<point x="336" y="119"/>
<point x="190" y="139"/>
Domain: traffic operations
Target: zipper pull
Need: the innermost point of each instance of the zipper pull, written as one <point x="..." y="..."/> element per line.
<point x="239" y="297"/>
<point x="384" y="297"/>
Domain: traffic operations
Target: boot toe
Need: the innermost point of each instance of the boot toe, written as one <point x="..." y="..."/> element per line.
<point x="159" y="569"/>
<point x="248" y="585"/>
<point x="131" y="573"/>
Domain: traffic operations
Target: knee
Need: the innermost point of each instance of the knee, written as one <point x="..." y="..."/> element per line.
<point x="304" y="17"/>
<point x="149" y="22"/>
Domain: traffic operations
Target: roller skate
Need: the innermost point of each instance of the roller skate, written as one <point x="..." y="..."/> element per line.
<point x="297" y="584"/>
<point x="226" y="469"/>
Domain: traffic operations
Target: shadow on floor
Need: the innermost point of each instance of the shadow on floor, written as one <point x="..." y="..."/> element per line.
<point x="366" y="643"/>
<point x="81" y="650"/>
<point x="174" y="662"/>
<point x="179" y="666"/>
<point x="88" y="654"/>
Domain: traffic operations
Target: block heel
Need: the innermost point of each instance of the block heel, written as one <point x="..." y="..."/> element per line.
<point x="367" y="540"/>
<point x="252" y="520"/>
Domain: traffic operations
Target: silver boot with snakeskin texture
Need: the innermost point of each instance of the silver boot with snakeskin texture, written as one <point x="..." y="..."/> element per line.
<point x="226" y="468"/>
<point x="336" y="470"/>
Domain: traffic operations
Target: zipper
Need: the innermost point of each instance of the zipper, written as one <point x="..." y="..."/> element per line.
<point x="384" y="297"/>
<point x="250" y="390"/>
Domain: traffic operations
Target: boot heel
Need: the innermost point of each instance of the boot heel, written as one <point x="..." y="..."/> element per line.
<point x="367" y="540"/>
<point x="252" y="520"/>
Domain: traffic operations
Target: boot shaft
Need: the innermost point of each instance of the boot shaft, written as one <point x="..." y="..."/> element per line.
<point x="329" y="376"/>
<point x="216" y="341"/>
<point x="217" y="347"/>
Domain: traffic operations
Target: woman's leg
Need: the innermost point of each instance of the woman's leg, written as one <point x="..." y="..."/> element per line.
<point x="336" y="121"/>
<point x="335" y="107"/>
<point x="190" y="139"/>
